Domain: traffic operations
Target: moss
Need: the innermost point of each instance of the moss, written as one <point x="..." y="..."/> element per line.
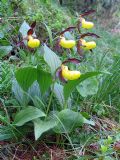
<point x="55" y="17"/>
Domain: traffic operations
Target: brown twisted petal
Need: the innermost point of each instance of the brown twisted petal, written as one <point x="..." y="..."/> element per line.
<point x="72" y="60"/>
<point x="87" y="13"/>
<point x="59" y="75"/>
<point x="33" y="25"/>
<point x="89" y="34"/>
<point x="67" y="29"/>
<point x="30" y="32"/>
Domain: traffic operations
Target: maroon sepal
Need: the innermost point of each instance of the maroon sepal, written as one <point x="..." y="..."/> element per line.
<point x="59" y="75"/>
<point x="89" y="34"/>
<point x="79" y="49"/>
<point x="72" y="60"/>
<point x="88" y="13"/>
<point x="20" y="43"/>
<point x="67" y="29"/>
<point x="30" y="32"/>
<point x="79" y="24"/>
<point x="33" y="25"/>
<point x="57" y="45"/>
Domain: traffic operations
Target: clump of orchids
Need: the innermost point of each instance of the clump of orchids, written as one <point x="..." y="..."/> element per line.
<point x="63" y="72"/>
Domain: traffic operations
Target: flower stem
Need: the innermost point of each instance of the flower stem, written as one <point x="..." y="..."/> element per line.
<point x="50" y="100"/>
<point x="65" y="105"/>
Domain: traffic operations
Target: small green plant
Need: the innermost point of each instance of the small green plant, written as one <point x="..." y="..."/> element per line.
<point x="106" y="148"/>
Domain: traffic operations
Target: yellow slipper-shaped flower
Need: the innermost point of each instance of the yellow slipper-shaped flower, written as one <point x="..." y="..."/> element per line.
<point x="70" y="75"/>
<point x="88" y="45"/>
<point x="67" y="43"/>
<point x="33" y="43"/>
<point x="86" y="24"/>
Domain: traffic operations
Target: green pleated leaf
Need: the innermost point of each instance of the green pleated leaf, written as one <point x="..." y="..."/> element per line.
<point x="58" y="91"/>
<point x="27" y="114"/>
<point x="90" y="84"/>
<point x="19" y="94"/>
<point x="26" y="76"/>
<point x="68" y="120"/>
<point x="42" y="126"/>
<point x="71" y="85"/>
<point x="44" y="79"/>
<point x="51" y="59"/>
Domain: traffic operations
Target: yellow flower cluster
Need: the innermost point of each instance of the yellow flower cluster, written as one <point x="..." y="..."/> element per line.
<point x="68" y="44"/>
<point x="85" y="45"/>
<point x="66" y="73"/>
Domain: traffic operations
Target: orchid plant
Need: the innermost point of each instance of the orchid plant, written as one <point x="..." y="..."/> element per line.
<point x="60" y="81"/>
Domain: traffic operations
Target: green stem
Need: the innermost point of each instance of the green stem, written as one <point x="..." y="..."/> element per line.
<point x="65" y="105"/>
<point x="5" y="109"/>
<point x="50" y="100"/>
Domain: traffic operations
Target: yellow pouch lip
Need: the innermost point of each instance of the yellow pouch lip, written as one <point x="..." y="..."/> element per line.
<point x="90" y="45"/>
<point x="33" y="43"/>
<point x="87" y="24"/>
<point x="67" y="43"/>
<point x="68" y="74"/>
